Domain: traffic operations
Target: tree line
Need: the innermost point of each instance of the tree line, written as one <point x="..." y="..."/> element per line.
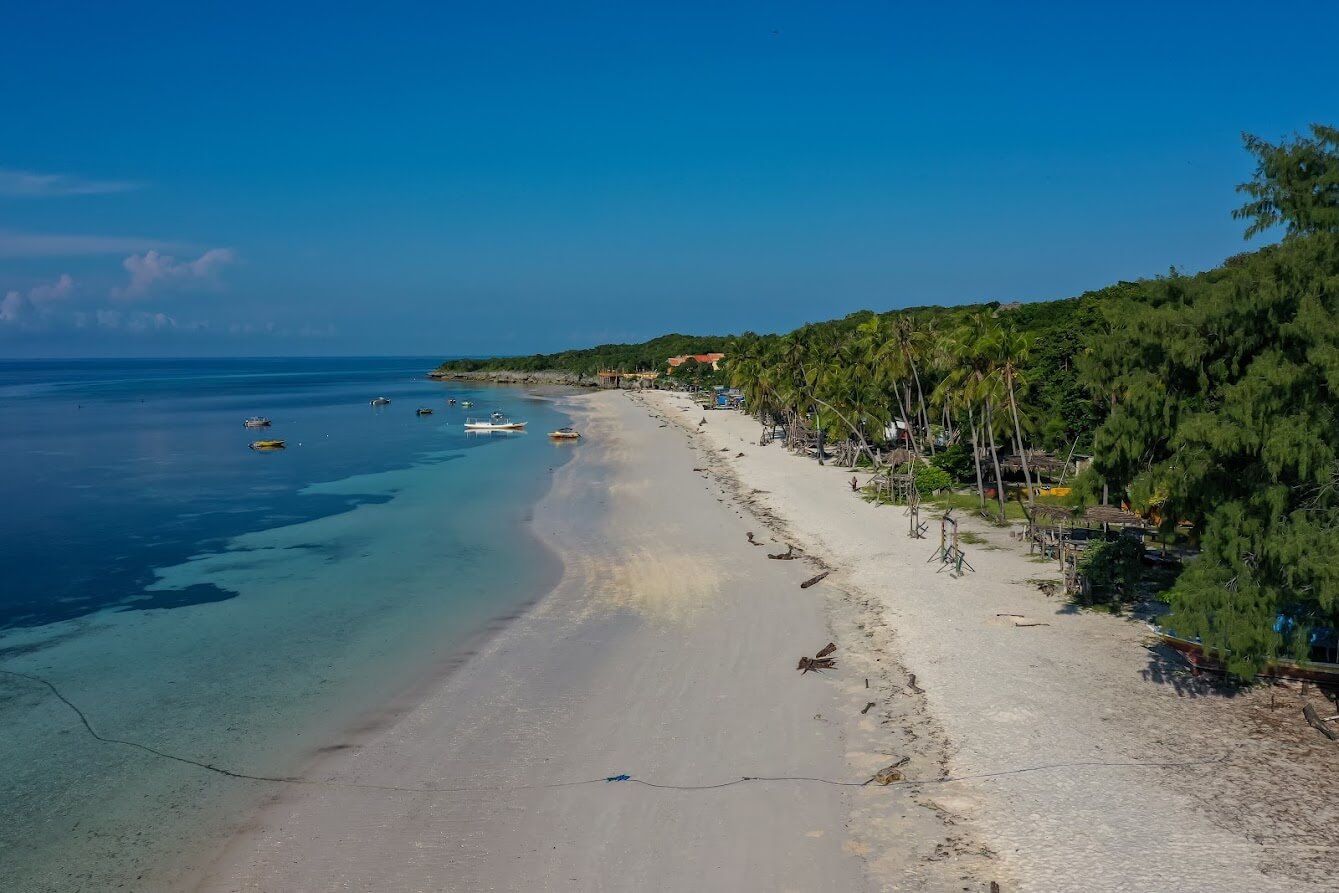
<point x="1208" y="399"/>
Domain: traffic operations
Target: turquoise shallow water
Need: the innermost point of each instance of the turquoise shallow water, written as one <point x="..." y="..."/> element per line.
<point x="227" y="607"/>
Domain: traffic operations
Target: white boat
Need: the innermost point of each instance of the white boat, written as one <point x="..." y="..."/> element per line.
<point x="380" y="401"/>
<point x="256" y="422"/>
<point x="497" y="423"/>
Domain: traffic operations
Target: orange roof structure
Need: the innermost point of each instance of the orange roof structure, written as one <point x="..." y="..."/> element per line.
<point x="712" y="359"/>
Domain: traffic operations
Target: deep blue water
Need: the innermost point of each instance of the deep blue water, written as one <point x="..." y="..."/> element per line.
<point x="114" y="467"/>
<point x="226" y="605"/>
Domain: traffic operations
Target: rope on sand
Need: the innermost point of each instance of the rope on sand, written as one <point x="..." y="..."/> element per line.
<point x="607" y="779"/>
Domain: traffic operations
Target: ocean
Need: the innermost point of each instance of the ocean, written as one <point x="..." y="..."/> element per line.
<point x="172" y="600"/>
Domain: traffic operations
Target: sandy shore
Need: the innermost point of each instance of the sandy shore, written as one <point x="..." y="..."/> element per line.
<point x="1041" y="748"/>
<point x="667" y="653"/>
<point x="1159" y="782"/>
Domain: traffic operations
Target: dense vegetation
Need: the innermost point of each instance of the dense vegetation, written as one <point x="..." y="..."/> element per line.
<point x="1206" y="399"/>
<point x="647" y="356"/>
<point x="1222" y="390"/>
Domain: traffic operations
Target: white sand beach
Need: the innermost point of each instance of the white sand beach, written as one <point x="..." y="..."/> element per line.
<point x="1048" y="757"/>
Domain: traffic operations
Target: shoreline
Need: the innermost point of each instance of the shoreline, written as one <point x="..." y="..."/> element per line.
<point x="674" y="665"/>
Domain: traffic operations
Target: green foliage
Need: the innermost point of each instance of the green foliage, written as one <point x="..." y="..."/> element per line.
<point x="1113" y="568"/>
<point x="647" y="356"/>
<point x="956" y="462"/>
<point x="1296" y="184"/>
<point x="1225" y="415"/>
<point x="929" y="479"/>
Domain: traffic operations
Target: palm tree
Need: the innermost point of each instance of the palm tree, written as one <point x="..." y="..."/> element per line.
<point x="1009" y="350"/>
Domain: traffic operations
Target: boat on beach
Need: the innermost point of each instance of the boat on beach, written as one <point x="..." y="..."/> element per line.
<point x="1280" y="668"/>
<point x="493" y="424"/>
<point x="565" y="434"/>
<point x="380" y="401"/>
<point x="267" y="444"/>
<point x="256" y="422"/>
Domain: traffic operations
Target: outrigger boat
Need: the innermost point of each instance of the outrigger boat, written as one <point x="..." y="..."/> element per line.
<point x="423" y="410"/>
<point x="256" y="422"/>
<point x="493" y="424"/>
<point x="267" y="444"/>
<point x="380" y="401"/>
<point x="565" y="434"/>
<point x="1280" y="668"/>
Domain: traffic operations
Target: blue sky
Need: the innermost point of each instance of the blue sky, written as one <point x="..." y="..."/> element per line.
<point x="197" y="179"/>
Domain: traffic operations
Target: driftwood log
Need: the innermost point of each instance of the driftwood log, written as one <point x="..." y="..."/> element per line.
<point x="820" y="661"/>
<point x="787" y="555"/>
<point x="1313" y="719"/>
<point x="868" y="707"/>
<point x="815" y="664"/>
<point x="812" y="580"/>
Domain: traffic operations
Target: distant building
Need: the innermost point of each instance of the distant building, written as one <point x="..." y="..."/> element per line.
<point x="613" y="378"/>
<point x="712" y="359"/>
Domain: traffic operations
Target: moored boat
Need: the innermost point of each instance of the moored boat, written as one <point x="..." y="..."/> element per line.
<point x="380" y="401"/>
<point x="256" y="422"/>
<point x="267" y="444"/>
<point x="565" y="434"/>
<point x="451" y="401"/>
<point x="423" y="410"/>
<point x="468" y="404"/>
<point x="493" y="424"/>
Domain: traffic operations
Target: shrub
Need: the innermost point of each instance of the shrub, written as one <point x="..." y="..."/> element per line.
<point x="956" y="461"/>
<point x="1113" y="567"/>
<point x="929" y="479"/>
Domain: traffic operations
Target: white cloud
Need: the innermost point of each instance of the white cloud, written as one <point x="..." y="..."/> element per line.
<point x="150" y="269"/>
<point x="15" y="244"/>
<point x="17" y="307"/>
<point x="30" y="184"/>
<point x="56" y="291"/>
<point x="12" y="307"/>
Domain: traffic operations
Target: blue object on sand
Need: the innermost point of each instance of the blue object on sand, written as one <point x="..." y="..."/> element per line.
<point x="619" y="778"/>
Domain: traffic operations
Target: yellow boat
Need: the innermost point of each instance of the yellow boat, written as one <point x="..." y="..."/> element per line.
<point x="267" y="444"/>
<point x="565" y="434"/>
